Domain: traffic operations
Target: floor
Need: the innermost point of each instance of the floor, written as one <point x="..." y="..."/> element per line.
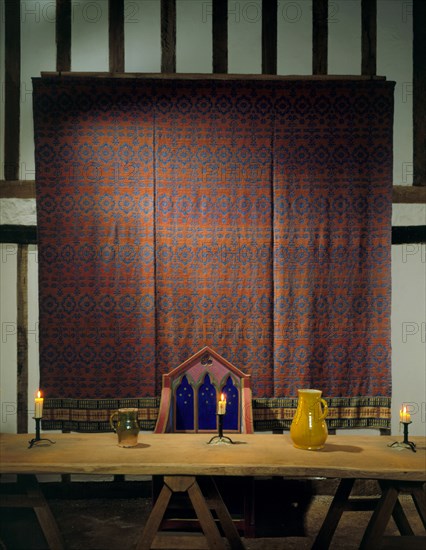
<point x="109" y="522"/>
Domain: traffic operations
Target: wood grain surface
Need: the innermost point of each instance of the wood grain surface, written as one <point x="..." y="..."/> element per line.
<point x="367" y="457"/>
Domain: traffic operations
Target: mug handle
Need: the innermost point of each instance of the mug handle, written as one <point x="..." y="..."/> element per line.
<point x="111" y="420"/>
<point x="325" y="409"/>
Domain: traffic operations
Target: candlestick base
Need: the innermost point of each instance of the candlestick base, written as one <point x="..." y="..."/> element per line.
<point x="220" y="438"/>
<point x="404" y="444"/>
<point x="37" y="437"/>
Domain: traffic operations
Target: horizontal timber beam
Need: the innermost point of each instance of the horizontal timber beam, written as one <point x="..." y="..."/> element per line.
<point x="206" y="76"/>
<point x="411" y="234"/>
<point x="17" y="189"/>
<point x="409" y="194"/>
<point x="27" y="234"/>
<point x="18" y="234"/>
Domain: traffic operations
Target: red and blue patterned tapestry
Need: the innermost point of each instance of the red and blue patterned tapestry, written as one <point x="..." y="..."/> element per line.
<point x="252" y="216"/>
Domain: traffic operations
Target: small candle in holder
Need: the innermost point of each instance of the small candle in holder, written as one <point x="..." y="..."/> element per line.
<point x="404" y="416"/>
<point x="38" y="413"/>
<point x="221" y="408"/>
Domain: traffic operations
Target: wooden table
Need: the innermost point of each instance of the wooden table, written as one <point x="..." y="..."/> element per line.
<point x="182" y="458"/>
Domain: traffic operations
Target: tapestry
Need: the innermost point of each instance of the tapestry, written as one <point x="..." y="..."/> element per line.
<point x="249" y="215"/>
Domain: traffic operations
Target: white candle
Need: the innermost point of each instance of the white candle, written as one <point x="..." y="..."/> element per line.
<point x="38" y="413"/>
<point x="221" y="408"/>
<point x="404" y="416"/>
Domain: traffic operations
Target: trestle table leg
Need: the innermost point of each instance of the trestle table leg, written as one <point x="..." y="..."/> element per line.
<point x="337" y="507"/>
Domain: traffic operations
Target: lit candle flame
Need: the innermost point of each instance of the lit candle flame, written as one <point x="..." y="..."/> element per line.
<point x="404" y="415"/>
<point x="221" y="408"/>
<point x="38" y="412"/>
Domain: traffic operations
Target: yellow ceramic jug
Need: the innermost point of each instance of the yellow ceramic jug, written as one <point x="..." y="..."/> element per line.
<point x="308" y="429"/>
<point x="126" y="425"/>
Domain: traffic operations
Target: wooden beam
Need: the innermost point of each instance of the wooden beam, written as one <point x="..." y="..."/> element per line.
<point x="206" y="76"/>
<point x="12" y="88"/>
<point x="409" y="194"/>
<point x="116" y="35"/>
<point x="369" y="37"/>
<point x="220" y="36"/>
<point x="412" y="234"/>
<point x="419" y="93"/>
<point x="269" y="36"/>
<point x="23" y="234"/>
<point x="22" y="332"/>
<point x="19" y="234"/>
<point x="63" y="35"/>
<point x="17" y="189"/>
<point x="319" y="36"/>
<point x="168" y="36"/>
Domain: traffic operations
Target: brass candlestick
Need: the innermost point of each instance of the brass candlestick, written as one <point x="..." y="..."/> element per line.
<point x="37" y="437"/>
<point x="405" y="444"/>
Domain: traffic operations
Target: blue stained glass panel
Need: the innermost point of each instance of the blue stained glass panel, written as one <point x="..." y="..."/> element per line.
<point x="184" y="397"/>
<point x="207" y="405"/>
<point x="230" y="420"/>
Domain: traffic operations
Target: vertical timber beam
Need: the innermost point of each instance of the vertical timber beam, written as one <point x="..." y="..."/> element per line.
<point x="22" y="332"/>
<point x="419" y="93"/>
<point x="369" y="37"/>
<point x="12" y="109"/>
<point x="269" y="36"/>
<point x="220" y="36"/>
<point x="319" y="36"/>
<point x="12" y="91"/>
<point x="63" y="35"/>
<point x="116" y="35"/>
<point x="168" y="36"/>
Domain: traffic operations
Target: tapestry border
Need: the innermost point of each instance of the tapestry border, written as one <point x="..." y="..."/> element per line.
<point x="269" y="414"/>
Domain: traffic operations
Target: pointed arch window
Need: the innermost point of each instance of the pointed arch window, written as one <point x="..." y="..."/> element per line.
<point x="184" y="412"/>
<point x="207" y="403"/>
<point x="231" y="418"/>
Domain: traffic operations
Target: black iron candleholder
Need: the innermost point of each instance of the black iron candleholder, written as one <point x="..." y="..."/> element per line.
<point x="405" y="444"/>
<point x="37" y="437"/>
<point x="220" y="438"/>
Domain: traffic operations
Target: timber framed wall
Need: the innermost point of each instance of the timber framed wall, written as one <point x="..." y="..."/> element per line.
<point x="14" y="187"/>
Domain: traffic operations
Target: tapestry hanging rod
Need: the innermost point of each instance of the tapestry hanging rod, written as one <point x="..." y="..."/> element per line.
<point x="206" y="76"/>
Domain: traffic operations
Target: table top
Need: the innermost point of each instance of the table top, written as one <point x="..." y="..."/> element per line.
<point x="348" y="456"/>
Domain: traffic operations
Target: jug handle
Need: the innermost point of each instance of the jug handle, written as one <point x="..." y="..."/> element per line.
<point x="325" y="411"/>
<point x="111" y="420"/>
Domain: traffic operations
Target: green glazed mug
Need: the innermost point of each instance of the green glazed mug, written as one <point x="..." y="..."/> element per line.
<point x="125" y="424"/>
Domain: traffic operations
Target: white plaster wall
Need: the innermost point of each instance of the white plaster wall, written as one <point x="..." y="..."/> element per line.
<point x="142" y="36"/>
<point x="394" y="60"/>
<point x="294" y="33"/>
<point x="193" y="27"/>
<point x="143" y="53"/>
<point x="8" y="323"/>
<point x="37" y="54"/>
<point x="89" y="35"/>
<point x="409" y="334"/>
<point x="8" y="337"/>
<point x="18" y="211"/>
